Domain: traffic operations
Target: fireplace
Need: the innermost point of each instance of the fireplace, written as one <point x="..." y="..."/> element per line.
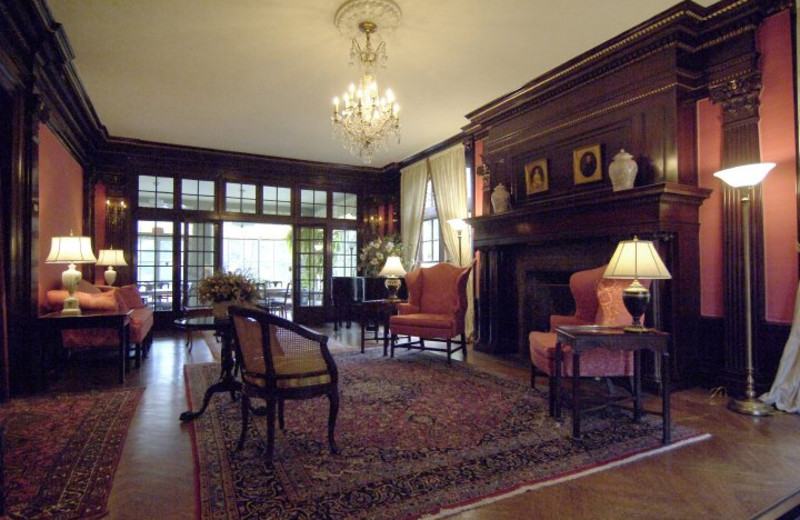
<point x="528" y="254"/>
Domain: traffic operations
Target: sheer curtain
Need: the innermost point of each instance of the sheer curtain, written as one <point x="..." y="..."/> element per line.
<point x="413" y="180"/>
<point x="785" y="391"/>
<point x="449" y="178"/>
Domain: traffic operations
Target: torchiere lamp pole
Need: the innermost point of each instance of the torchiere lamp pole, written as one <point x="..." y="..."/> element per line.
<point x="459" y="225"/>
<point x="744" y="178"/>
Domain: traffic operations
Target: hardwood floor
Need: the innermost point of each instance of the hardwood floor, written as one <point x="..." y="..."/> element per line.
<point x="746" y="466"/>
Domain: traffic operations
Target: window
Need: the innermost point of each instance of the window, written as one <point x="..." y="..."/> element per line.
<point x="344" y="205"/>
<point x="156" y="192"/>
<point x="311" y="246"/>
<point x="198" y="259"/>
<point x="430" y="245"/>
<point x="240" y="198"/>
<point x="277" y="200"/>
<point x="313" y="203"/>
<point x="262" y="250"/>
<point x="345" y="252"/>
<point x="197" y="195"/>
<point x="154" y="263"/>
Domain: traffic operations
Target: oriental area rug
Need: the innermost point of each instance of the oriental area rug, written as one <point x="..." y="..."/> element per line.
<point x="60" y="452"/>
<point x="418" y="438"/>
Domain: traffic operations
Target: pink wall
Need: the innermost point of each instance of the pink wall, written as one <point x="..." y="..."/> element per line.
<point x="60" y="203"/>
<point x="709" y="161"/>
<point x="778" y="145"/>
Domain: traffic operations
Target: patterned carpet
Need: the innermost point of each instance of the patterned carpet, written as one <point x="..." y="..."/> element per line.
<point x="417" y="437"/>
<point x="61" y="452"/>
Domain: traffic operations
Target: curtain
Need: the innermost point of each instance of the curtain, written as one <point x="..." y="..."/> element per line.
<point x="449" y="178"/>
<point x="413" y="180"/>
<point x="785" y="391"/>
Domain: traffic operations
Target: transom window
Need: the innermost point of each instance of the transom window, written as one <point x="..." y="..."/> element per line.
<point x="197" y="195"/>
<point x="344" y="205"/>
<point x="240" y="198"/>
<point x="277" y="200"/>
<point x="156" y="192"/>
<point x="313" y="203"/>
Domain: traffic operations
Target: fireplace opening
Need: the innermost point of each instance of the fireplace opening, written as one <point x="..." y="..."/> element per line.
<point x="546" y="293"/>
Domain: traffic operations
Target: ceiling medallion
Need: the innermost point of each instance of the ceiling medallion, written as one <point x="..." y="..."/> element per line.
<point x="364" y="121"/>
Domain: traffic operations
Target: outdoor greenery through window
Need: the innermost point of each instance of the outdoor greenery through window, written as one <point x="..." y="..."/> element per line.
<point x="313" y="203"/>
<point x="240" y="198"/>
<point x="198" y="259"/>
<point x="197" y="195"/>
<point x="344" y="205"/>
<point x="277" y="200"/>
<point x="345" y="252"/>
<point x="262" y="250"/>
<point x="154" y="262"/>
<point x="156" y="192"/>
<point x="311" y="246"/>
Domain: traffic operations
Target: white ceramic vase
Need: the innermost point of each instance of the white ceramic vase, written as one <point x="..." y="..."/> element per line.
<point x="622" y="171"/>
<point x="501" y="199"/>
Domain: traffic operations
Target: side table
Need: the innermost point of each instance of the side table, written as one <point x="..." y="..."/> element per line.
<point x="379" y="312"/>
<point x="54" y="322"/>
<point x="192" y="324"/>
<point x="582" y="338"/>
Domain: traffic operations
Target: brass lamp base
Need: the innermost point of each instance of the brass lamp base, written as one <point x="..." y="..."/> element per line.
<point x="750" y="406"/>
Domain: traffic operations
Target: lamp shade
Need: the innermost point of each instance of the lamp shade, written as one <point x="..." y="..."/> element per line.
<point x="743" y="176"/>
<point x="114" y="257"/>
<point x="393" y="267"/>
<point x="458" y="224"/>
<point x="71" y="250"/>
<point x="636" y="259"/>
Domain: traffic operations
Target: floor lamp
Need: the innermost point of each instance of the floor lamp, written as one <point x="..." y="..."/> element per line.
<point x="460" y="226"/>
<point x="743" y="178"/>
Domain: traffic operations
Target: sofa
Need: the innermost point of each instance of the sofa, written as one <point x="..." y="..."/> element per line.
<point x="93" y="298"/>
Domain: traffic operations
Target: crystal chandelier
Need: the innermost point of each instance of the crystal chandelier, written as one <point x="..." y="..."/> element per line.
<point x="363" y="120"/>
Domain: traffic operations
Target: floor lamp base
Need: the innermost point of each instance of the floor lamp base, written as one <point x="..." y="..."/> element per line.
<point x="750" y="406"/>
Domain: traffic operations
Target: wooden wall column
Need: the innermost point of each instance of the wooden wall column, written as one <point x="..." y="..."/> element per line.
<point x="740" y="103"/>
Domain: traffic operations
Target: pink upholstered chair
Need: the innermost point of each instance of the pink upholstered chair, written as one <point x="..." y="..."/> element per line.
<point x="437" y="303"/>
<point x="598" y="301"/>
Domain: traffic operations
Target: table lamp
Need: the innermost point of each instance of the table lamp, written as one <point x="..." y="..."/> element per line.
<point x="71" y="250"/>
<point x="111" y="257"/>
<point x="634" y="260"/>
<point x="393" y="271"/>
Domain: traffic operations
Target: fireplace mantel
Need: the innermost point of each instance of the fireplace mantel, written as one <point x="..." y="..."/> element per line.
<point x="663" y="207"/>
<point x="580" y="231"/>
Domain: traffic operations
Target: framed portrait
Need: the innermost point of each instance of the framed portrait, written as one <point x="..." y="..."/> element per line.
<point x="536" y="177"/>
<point x="587" y="164"/>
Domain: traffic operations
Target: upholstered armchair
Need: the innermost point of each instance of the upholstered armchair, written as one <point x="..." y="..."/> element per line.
<point x="437" y="303"/>
<point x="281" y="360"/>
<point x="598" y="301"/>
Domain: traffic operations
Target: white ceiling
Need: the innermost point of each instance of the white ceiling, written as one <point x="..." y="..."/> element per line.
<point x="258" y="76"/>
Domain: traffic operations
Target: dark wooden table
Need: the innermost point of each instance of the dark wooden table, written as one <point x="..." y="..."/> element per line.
<point x="227" y="381"/>
<point x="583" y="338"/>
<point x="378" y="312"/>
<point x="52" y="324"/>
<point x="195" y="323"/>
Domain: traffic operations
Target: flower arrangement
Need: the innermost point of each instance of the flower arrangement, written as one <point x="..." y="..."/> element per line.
<point x="374" y="254"/>
<point x="225" y="286"/>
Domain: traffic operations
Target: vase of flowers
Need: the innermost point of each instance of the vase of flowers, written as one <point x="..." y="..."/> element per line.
<point x="374" y="254"/>
<point x="226" y="288"/>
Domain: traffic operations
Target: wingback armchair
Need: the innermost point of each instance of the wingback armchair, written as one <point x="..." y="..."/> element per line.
<point x="437" y="304"/>
<point x="598" y="301"/>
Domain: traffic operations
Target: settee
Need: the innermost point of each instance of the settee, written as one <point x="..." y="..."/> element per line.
<point x="93" y="298"/>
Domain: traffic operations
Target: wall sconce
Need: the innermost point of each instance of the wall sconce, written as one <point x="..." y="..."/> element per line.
<point x="115" y="211"/>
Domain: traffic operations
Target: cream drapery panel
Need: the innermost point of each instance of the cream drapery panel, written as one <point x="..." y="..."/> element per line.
<point x="413" y="180"/>
<point x="449" y="178"/>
